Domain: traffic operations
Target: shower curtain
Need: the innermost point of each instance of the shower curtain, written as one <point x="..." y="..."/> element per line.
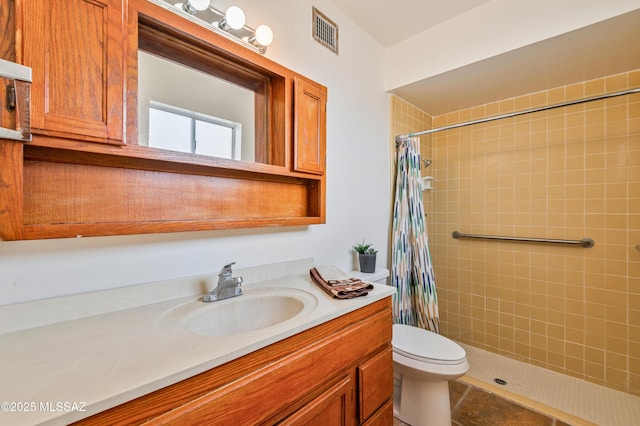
<point x="415" y="302"/>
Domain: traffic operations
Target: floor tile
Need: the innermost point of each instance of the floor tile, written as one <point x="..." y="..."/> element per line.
<point x="481" y="408"/>
<point x="474" y="406"/>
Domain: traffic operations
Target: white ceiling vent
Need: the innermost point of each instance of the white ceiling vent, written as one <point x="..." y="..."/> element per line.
<point x="325" y="31"/>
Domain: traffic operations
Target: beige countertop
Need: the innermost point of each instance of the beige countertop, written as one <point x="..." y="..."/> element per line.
<point x="64" y="371"/>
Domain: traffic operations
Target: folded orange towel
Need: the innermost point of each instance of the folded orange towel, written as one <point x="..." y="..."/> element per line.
<point x="342" y="288"/>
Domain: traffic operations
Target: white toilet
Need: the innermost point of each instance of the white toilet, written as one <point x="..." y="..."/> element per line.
<point x="423" y="364"/>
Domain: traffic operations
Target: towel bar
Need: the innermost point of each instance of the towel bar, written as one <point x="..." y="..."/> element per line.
<point x="585" y="242"/>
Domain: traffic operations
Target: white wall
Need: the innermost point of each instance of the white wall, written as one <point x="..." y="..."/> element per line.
<point x="493" y="28"/>
<point x="358" y="189"/>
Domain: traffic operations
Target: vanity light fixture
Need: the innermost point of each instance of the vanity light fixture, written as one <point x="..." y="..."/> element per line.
<point x="230" y="24"/>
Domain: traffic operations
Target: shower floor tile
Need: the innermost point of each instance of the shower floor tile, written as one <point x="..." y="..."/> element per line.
<point x="574" y="401"/>
<point x="533" y="396"/>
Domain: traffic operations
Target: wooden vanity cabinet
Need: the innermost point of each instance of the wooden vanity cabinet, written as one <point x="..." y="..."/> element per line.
<point x="337" y="373"/>
<point x="75" y="50"/>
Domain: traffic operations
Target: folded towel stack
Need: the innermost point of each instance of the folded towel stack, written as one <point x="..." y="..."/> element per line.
<point x="337" y="284"/>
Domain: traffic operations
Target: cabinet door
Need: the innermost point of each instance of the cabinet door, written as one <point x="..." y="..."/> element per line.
<point x="375" y="379"/>
<point x="330" y="408"/>
<point x="75" y="50"/>
<point x="310" y="126"/>
<point x="382" y="417"/>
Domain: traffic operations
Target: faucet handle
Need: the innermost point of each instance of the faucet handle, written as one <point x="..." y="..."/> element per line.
<point x="226" y="270"/>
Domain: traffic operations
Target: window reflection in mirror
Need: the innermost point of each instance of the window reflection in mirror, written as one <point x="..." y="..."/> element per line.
<point x="177" y="129"/>
<point x="182" y="109"/>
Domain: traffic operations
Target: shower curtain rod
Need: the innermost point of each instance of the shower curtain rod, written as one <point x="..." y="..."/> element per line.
<point x="514" y="114"/>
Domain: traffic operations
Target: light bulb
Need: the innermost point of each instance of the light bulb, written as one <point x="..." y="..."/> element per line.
<point x="199" y="4"/>
<point x="193" y="6"/>
<point x="264" y="35"/>
<point x="234" y="18"/>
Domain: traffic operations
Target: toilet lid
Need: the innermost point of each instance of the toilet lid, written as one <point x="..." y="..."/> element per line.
<point x="424" y="345"/>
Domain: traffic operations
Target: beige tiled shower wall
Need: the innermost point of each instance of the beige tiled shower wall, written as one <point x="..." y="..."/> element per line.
<point x="565" y="173"/>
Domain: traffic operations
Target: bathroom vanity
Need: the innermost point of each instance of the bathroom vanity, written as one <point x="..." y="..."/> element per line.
<point x="337" y="373"/>
<point x="326" y="361"/>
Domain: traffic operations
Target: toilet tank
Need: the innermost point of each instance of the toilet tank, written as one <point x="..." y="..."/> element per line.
<point x="380" y="276"/>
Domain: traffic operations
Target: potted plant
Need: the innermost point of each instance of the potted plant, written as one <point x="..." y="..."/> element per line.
<point x="366" y="256"/>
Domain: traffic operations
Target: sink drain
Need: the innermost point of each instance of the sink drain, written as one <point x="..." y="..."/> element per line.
<point x="500" y="382"/>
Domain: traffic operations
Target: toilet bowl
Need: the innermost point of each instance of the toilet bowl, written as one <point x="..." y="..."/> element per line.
<point x="423" y="364"/>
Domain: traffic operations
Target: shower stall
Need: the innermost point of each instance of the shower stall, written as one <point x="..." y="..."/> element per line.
<point x="566" y="180"/>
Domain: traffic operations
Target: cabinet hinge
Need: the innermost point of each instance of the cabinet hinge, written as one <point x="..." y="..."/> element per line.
<point x="11" y="97"/>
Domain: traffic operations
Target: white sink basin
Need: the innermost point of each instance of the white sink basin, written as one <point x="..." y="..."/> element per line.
<point x="256" y="309"/>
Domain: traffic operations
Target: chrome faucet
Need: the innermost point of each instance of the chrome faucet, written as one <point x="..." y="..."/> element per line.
<point x="228" y="286"/>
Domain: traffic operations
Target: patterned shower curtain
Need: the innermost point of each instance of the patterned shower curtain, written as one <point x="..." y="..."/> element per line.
<point x="415" y="302"/>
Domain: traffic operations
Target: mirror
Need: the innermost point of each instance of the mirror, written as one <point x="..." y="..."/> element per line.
<point x="228" y="106"/>
<point x="186" y="110"/>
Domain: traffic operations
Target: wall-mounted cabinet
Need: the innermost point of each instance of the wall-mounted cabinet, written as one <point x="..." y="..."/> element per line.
<point x="310" y="126"/>
<point x="91" y="170"/>
<point x="75" y="49"/>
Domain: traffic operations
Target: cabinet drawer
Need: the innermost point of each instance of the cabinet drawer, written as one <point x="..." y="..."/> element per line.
<point x="375" y="380"/>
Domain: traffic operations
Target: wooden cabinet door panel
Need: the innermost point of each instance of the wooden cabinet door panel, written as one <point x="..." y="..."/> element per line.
<point x="310" y="126"/>
<point x="330" y="408"/>
<point x="382" y="417"/>
<point x="375" y="379"/>
<point x="75" y="50"/>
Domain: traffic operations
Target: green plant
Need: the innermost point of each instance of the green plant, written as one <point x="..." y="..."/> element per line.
<point x="365" y="248"/>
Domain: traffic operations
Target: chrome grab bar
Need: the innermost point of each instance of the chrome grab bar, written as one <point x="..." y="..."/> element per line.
<point x="585" y="242"/>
